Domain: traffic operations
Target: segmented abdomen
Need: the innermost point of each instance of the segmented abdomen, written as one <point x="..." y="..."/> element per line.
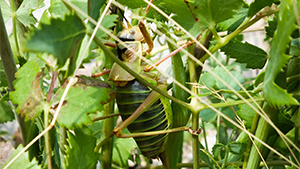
<point x="154" y="118"/>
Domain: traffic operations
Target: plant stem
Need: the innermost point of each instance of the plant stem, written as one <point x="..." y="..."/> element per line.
<point x="262" y="133"/>
<point x="204" y="135"/>
<point x="242" y="27"/>
<point x="14" y="22"/>
<point x="252" y="130"/>
<point x="10" y="70"/>
<point x="47" y="136"/>
<point x="108" y="126"/>
<point x="190" y="165"/>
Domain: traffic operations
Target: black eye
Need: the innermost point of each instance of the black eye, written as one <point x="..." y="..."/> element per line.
<point x="132" y="32"/>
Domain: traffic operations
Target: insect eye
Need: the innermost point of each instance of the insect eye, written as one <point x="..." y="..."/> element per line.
<point x="132" y="32"/>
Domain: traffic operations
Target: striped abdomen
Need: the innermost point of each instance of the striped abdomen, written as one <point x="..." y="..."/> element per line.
<point x="154" y="118"/>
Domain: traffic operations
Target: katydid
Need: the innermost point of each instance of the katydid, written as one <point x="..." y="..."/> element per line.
<point x="145" y="113"/>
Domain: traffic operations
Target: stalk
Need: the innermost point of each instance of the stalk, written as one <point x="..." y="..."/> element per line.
<point x="108" y="126"/>
<point x="262" y="133"/>
<point x="10" y="70"/>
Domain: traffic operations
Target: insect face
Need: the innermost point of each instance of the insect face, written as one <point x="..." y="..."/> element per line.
<point x="131" y="33"/>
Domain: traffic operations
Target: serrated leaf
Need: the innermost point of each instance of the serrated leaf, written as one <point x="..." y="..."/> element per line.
<point x="80" y="100"/>
<point x="253" y="56"/>
<point x="22" y="160"/>
<point x="5" y="10"/>
<point x="212" y="12"/>
<point x="122" y="151"/>
<point x="6" y="112"/>
<point x="61" y="38"/>
<point x="275" y="95"/>
<point x="58" y="9"/>
<point x="237" y="148"/>
<point x="80" y="151"/>
<point x="28" y="94"/>
<point x="233" y="23"/>
<point x="257" y="5"/>
<point x="24" y="12"/>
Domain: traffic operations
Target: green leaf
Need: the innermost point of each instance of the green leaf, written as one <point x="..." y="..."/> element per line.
<point x="232" y="167"/>
<point x="237" y="148"/>
<point x="6" y="11"/>
<point x="217" y="149"/>
<point x="232" y="23"/>
<point x="94" y="7"/>
<point x="22" y="160"/>
<point x="253" y="56"/>
<point x="228" y="112"/>
<point x="58" y="9"/>
<point x="61" y="38"/>
<point x="257" y="5"/>
<point x="228" y="79"/>
<point x="274" y="94"/>
<point x="272" y="26"/>
<point x="208" y="115"/>
<point x="3" y="80"/>
<point x="80" y="151"/>
<point x="207" y="158"/>
<point x="28" y="94"/>
<point x="122" y="151"/>
<point x="6" y="112"/>
<point x="247" y="114"/>
<point x="80" y="100"/>
<point x="24" y="12"/>
<point x="212" y="12"/>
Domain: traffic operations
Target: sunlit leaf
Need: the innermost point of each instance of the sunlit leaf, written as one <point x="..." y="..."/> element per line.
<point x="122" y="151"/>
<point x="274" y="94"/>
<point x="61" y="38"/>
<point x="209" y="13"/>
<point x="80" y="100"/>
<point x="22" y="160"/>
<point x="80" y="151"/>
<point x="257" y="5"/>
<point x="24" y="12"/>
<point x="5" y="10"/>
<point x="28" y="94"/>
<point x="253" y="56"/>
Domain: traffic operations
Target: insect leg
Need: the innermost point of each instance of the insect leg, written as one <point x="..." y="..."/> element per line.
<point x="148" y="68"/>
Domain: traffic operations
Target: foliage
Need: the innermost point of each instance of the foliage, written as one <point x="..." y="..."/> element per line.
<point x="48" y="98"/>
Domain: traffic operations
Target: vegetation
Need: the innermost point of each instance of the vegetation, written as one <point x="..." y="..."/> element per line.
<point x="66" y="121"/>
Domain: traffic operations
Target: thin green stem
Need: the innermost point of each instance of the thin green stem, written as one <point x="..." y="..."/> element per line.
<point x="47" y="136"/>
<point x="14" y="22"/>
<point x="204" y="135"/>
<point x="252" y="130"/>
<point x="233" y="103"/>
<point x="195" y="126"/>
<point x="242" y="27"/>
<point x="227" y="150"/>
